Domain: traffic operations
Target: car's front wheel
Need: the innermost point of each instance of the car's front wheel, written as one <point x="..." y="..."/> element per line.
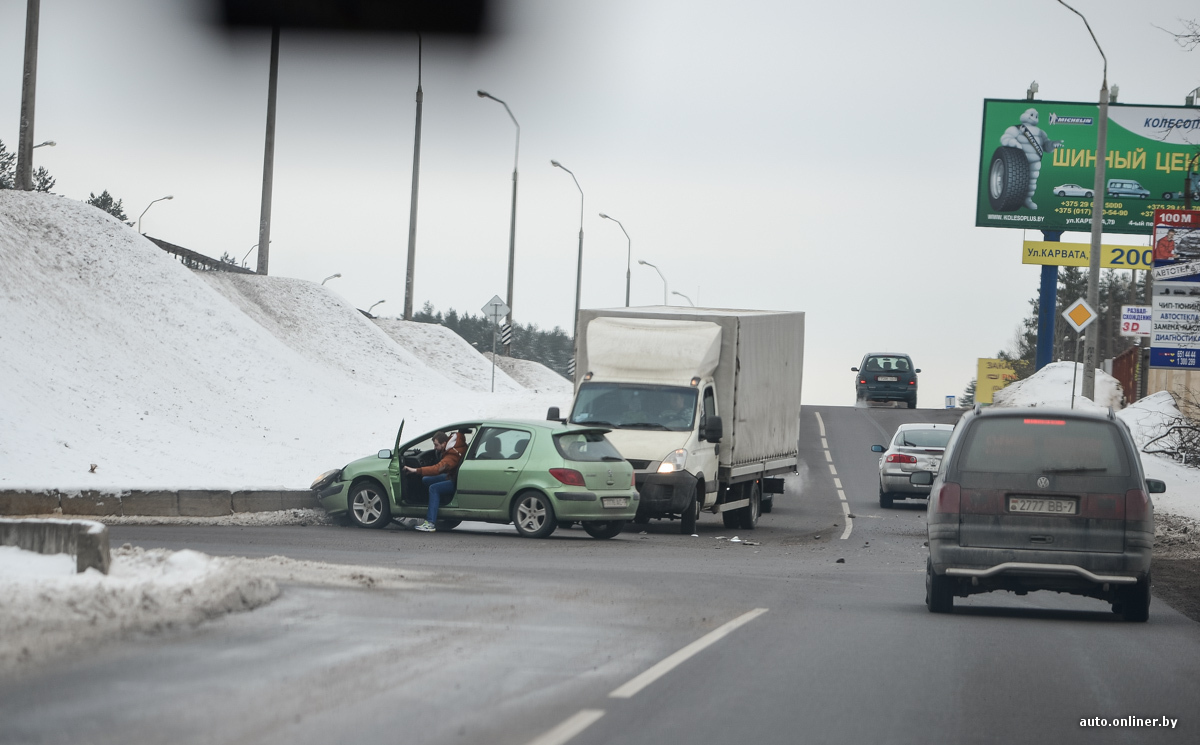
<point x="1088" y="195"/>
<point x="447" y="524"/>
<point x="532" y="515"/>
<point x="939" y="592"/>
<point x="687" y="520"/>
<point x="604" y="529"/>
<point x="368" y="505"/>
<point x="1062" y="193"/>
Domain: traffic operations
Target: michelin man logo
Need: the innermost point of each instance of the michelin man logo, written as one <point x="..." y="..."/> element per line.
<point x="1016" y="164"/>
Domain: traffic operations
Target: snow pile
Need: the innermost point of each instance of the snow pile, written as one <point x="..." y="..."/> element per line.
<point x="49" y="610"/>
<point x="117" y="355"/>
<point x="448" y="353"/>
<point x="1051" y="386"/>
<point x="533" y="375"/>
<point x="1149" y="418"/>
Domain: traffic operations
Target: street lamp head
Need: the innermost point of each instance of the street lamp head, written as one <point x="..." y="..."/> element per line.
<point x="555" y="163"/>
<point x="644" y="263"/>
<point x="169" y="196"/>
<point x="47" y="143"/>
<point x="482" y="94"/>
<point x="606" y="217"/>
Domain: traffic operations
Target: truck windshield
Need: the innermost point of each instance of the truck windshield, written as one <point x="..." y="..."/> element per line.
<point x="635" y="406"/>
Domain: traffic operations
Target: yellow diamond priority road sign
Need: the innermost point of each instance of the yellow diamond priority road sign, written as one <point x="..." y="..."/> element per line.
<point x="1079" y="315"/>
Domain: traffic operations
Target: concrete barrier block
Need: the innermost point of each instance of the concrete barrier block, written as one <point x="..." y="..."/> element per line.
<point x="86" y="539"/>
<point x="15" y="502"/>
<point x="90" y="503"/>
<point x="257" y="501"/>
<point x="300" y="500"/>
<point x="204" y="503"/>
<point x="154" y="503"/>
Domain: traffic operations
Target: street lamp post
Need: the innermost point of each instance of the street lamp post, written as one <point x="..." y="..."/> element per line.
<point x="685" y="297"/>
<point x="579" y="266"/>
<point x="412" y="206"/>
<point x="268" y="184"/>
<point x="512" y="228"/>
<point x="24" y="174"/>
<point x="1092" y="332"/>
<point x="660" y="276"/>
<point x="331" y="276"/>
<point x="139" y="228"/>
<point x="628" y="255"/>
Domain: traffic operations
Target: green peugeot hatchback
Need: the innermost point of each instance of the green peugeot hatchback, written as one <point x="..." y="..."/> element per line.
<point x="533" y="474"/>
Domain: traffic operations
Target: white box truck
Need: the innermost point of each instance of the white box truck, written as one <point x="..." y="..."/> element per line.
<point x="705" y="403"/>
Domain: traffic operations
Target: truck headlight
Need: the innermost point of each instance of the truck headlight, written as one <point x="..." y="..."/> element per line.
<point x="674" y="461"/>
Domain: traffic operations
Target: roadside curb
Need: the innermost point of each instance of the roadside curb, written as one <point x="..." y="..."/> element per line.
<point x="152" y="503"/>
<point x="87" y="540"/>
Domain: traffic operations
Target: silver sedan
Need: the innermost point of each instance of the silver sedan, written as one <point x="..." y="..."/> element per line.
<point x="914" y="447"/>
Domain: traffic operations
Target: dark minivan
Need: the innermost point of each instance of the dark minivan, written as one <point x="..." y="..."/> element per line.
<point x="1041" y="499"/>
<point x="886" y="376"/>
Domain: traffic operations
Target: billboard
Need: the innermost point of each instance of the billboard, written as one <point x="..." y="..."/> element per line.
<point x="1037" y="164"/>
<point x="1175" y="312"/>
<point x="991" y="376"/>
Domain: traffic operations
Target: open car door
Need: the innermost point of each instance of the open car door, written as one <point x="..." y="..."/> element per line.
<point x="394" y="471"/>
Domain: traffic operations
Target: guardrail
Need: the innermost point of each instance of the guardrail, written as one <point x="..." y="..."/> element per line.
<point x="87" y="540"/>
<point x="194" y="260"/>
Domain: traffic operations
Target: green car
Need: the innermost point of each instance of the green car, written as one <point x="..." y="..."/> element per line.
<point x="533" y="474"/>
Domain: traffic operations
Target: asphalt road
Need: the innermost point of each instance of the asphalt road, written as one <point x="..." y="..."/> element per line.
<point x="522" y="641"/>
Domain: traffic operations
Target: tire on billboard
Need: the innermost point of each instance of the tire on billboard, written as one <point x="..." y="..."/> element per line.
<point x="1008" y="179"/>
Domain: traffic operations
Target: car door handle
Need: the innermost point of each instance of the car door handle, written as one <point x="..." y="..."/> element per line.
<point x="511" y="469"/>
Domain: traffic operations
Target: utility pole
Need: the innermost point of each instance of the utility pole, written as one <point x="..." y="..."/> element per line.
<point x="24" y="175"/>
<point x="412" y="206"/>
<point x="264" y="219"/>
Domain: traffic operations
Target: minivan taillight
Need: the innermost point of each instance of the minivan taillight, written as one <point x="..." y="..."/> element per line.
<point x="1137" y="505"/>
<point x="568" y="476"/>
<point x="948" y="498"/>
<point x="901" y="458"/>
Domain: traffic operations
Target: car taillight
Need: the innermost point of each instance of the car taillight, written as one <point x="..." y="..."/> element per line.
<point x="1137" y="505"/>
<point x="901" y="458"/>
<point x="948" y="498"/>
<point x="568" y="476"/>
<point x="863" y="381"/>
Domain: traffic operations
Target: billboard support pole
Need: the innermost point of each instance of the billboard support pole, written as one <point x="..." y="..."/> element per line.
<point x="1047" y="305"/>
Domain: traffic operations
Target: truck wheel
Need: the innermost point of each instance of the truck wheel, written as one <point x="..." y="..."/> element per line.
<point x="605" y="529"/>
<point x="732" y="518"/>
<point x="751" y="512"/>
<point x="939" y="593"/>
<point x="687" y="521"/>
<point x="369" y="507"/>
<point x="1008" y="179"/>
<point x="532" y="515"/>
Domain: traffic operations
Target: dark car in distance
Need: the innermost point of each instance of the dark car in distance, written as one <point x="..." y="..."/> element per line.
<point x="1040" y="499"/>
<point x="886" y="376"/>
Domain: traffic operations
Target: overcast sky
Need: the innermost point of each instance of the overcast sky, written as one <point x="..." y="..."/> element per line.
<point x="774" y="155"/>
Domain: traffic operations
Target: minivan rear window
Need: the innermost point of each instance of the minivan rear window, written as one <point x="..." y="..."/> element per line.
<point x="1043" y="445"/>
<point x="589" y="447"/>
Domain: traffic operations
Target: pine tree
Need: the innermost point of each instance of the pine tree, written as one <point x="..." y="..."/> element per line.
<point x="43" y="181"/>
<point x="106" y="203"/>
<point x="550" y="348"/>
<point x="7" y="167"/>
<point x="967" y="400"/>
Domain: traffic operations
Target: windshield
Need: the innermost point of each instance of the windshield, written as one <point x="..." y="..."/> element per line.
<point x="1042" y="445"/>
<point x="923" y="438"/>
<point x="633" y="406"/>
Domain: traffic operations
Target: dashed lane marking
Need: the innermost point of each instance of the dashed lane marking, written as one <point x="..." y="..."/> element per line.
<point x="568" y="728"/>
<point x="836" y="481"/>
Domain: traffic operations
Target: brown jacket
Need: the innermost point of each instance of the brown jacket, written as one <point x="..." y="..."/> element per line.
<point x="455" y="450"/>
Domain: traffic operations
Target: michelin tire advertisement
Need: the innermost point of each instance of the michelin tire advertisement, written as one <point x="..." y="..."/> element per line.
<point x="1037" y="164"/>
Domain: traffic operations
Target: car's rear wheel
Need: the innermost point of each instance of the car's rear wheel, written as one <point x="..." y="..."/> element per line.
<point x="939" y="592"/>
<point x="368" y="505"/>
<point x="1135" y="606"/>
<point x="604" y="529"/>
<point x="885" y="498"/>
<point x="532" y="515"/>
<point x="911" y="402"/>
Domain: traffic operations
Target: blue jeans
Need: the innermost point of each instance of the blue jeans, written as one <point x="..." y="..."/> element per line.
<point x="440" y="488"/>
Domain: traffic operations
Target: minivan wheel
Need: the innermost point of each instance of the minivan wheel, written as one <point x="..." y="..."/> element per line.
<point x="368" y="505"/>
<point x="939" y="593"/>
<point x="1136" y="605"/>
<point x="532" y="515"/>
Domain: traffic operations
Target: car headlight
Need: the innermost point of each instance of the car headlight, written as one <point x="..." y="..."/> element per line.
<point x="326" y="479"/>
<point x="675" y="461"/>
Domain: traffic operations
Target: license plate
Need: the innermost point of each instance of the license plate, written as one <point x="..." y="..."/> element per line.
<point x="610" y="502"/>
<point x="887" y="378"/>
<point x="1043" y="506"/>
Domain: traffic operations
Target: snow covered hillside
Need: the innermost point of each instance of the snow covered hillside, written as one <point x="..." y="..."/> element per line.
<point x="163" y="377"/>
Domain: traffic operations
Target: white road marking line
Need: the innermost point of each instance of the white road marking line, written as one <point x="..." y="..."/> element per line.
<point x="841" y="495"/>
<point x="832" y="469"/>
<point x="828" y="457"/>
<point x="668" y="664"/>
<point x="849" y="521"/>
<point x="570" y="727"/>
<point x="824" y="443"/>
<point x="820" y="423"/>
<point x="837" y="483"/>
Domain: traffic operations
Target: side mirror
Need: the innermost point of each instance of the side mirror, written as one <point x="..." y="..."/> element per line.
<point x="877" y="448"/>
<point x="921" y="478"/>
<point x="385" y="454"/>
<point x="854" y="369"/>
<point x="552" y="415"/>
<point x="711" y="429"/>
<point x="1154" y="486"/>
<point x="917" y="370"/>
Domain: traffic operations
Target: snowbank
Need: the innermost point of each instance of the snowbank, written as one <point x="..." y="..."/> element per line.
<point x="163" y="377"/>
<point x="449" y="354"/>
<point x="1051" y="386"/>
<point x="50" y="611"/>
<point x="534" y="375"/>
